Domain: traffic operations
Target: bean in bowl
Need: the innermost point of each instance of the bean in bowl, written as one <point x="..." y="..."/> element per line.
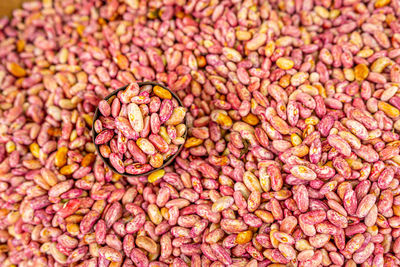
<point x="139" y="128"/>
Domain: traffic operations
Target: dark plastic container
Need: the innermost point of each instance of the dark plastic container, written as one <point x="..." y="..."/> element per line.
<point x="107" y="161"/>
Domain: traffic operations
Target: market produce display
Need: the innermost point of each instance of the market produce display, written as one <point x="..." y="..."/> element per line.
<point x="292" y="114"/>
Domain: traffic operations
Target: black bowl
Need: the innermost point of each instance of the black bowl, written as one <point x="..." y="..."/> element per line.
<point x="107" y="161"/>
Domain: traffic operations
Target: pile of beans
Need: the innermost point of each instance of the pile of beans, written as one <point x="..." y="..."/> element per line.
<point x="292" y="156"/>
<point x="134" y="150"/>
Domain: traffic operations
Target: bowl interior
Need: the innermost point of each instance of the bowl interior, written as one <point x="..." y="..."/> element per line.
<point x="107" y="161"/>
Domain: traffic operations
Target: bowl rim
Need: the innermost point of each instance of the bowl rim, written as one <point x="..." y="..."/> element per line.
<point x="107" y="161"/>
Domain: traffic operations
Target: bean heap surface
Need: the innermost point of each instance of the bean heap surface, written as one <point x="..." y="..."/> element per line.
<point x="292" y="156"/>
